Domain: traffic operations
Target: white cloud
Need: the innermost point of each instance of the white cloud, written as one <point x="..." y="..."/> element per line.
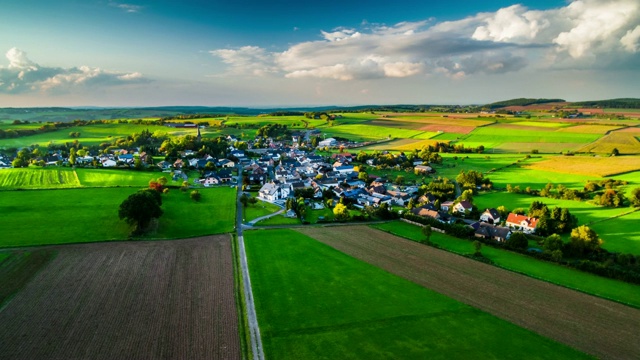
<point x="631" y="40"/>
<point x="23" y="75"/>
<point x="507" y="40"/>
<point x="128" y="8"/>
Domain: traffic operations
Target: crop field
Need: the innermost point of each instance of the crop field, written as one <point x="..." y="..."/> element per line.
<point x="619" y="291"/>
<point x="37" y="178"/>
<point x="497" y="135"/>
<point x="371" y="132"/>
<point x="332" y="306"/>
<point x="585" y="322"/>
<point x="468" y="120"/>
<point x="41" y="217"/>
<point x="590" y="129"/>
<point x="540" y="124"/>
<point x="454" y="163"/>
<point x="400" y="145"/>
<point x="448" y="136"/>
<point x="625" y="142"/>
<point x="525" y="175"/>
<point x="395" y="124"/>
<point x="521" y="127"/>
<point x="624" y="230"/>
<point x="589" y="166"/>
<point x="169" y="299"/>
<point x="630" y="129"/>
<point x="117" y="177"/>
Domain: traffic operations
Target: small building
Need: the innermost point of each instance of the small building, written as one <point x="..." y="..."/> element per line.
<point x="328" y="142"/>
<point x="424" y="169"/>
<point x="445" y="206"/>
<point x="491" y="232"/>
<point x="462" y="207"/>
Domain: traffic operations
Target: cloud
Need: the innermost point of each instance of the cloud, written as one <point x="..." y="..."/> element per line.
<point x="128" y="8"/>
<point x="23" y="75"/>
<point x="583" y="33"/>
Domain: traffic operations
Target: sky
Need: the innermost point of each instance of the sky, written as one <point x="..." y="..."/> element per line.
<point x="283" y="53"/>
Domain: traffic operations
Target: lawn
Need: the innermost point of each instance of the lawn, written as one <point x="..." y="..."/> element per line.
<point x="38" y="178"/>
<point x="261" y="208"/>
<point x="278" y="220"/>
<point x="592" y="284"/>
<point x="314" y="302"/>
<point x="39" y="217"/>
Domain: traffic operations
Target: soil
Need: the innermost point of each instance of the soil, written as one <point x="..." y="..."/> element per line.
<point x="127" y="300"/>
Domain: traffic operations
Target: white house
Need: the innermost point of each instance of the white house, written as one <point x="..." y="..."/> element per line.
<point x="328" y="142"/>
<point x="462" y="207"/>
<point x="491" y="216"/>
<point x="521" y="222"/>
<point x="272" y="191"/>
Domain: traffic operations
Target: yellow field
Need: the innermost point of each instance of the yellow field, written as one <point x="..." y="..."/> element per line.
<point x="590" y="129"/>
<point x="445" y="119"/>
<point x="402" y="145"/>
<point x="625" y="142"/>
<point x="591" y="166"/>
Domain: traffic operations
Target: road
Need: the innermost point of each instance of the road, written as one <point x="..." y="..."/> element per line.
<point x="252" y="319"/>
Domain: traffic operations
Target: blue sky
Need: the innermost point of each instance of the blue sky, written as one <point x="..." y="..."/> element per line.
<point x="290" y="53"/>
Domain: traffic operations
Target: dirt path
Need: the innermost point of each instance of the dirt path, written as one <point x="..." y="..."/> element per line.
<point x="596" y="326"/>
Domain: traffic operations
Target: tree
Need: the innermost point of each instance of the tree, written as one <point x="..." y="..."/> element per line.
<point x="477" y="247"/>
<point x="427" y="231"/>
<point x="244" y="200"/>
<point x="553" y="242"/>
<point x="195" y="195"/>
<point x="139" y="208"/>
<point x="615" y="152"/>
<point x="517" y="241"/>
<point x="72" y="156"/>
<point x="399" y="180"/>
<point x="635" y="197"/>
<point x="341" y="212"/>
<point x="584" y="240"/>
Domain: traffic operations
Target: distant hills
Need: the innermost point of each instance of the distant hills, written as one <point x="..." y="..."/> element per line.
<point x="66" y="114"/>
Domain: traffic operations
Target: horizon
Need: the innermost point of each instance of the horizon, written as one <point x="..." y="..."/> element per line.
<point x="125" y="54"/>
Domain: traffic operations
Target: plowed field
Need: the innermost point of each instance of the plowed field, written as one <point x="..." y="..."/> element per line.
<point x="131" y="300"/>
<point x="596" y="326"/>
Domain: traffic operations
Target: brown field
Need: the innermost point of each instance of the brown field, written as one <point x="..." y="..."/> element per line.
<point x="586" y="165"/>
<point x="467" y="120"/>
<point x="395" y="124"/>
<point x="625" y="142"/>
<point x="596" y="326"/>
<point x="589" y="129"/>
<point x="403" y="145"/>
<point x="630" y="129"/>
<point x="127" y="300"/>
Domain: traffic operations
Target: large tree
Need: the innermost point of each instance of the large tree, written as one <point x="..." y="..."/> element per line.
<point x="139" y="208"/>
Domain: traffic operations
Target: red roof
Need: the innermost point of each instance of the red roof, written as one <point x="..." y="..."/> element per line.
<point x="518" y="219"/>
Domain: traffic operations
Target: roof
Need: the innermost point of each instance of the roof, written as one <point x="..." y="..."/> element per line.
<point x="518" y="219"/>
<point x="465" y="204"/>
<point x="493" y="212"/>
<point x="492" y="231"/>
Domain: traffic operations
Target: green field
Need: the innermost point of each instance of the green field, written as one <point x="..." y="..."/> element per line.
<point x="261" y="208"/>
<point x="278" y="220"/>
<point x="39" y="217"/>
<point x="587" y="214"/>
<point x="592" y="284"/>
<point x="360" y="132"/>
<point x="89" y="134"/>
<point x="38" y="178"/>
<point x="332" y="306"/>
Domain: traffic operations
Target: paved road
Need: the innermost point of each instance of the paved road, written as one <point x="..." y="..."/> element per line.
<point x="252" y="319"/>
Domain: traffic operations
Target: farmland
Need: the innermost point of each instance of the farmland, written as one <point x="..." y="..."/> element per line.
<point x="59" y="216"/>
<point x="127" y="300"/>
<point x="38" y="178"/>
<point x="314" y="309"/>
<point x="591" y="284"/>
<point x="582" y="321"/>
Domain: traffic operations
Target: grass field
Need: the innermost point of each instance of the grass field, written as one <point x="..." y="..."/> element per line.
<point x="587" y="215"/>
<point x="592" y="284"/>
<point x="261" y="208"/>
<point x="41" y="217"/>
<point x="38" y="178"/>
<point x="278" y="220"/>
<point x="494" y="137"/>
<point x="89" y="134"/>
<point x="589" y="166"/>
<point x="361" y="132"/>
<point x="331" y="306"/>
<point x="115" y="177"/>
<point x="589" y="129"/>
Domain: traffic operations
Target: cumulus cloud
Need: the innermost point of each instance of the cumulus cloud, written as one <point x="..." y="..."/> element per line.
<point x="507" y="40"/>
<point x="23" y="75"/>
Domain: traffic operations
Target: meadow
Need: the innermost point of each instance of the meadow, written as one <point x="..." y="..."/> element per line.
<point x="38" y="178"/>
<point x="557" y="274"/>
<point x="40" y="217"/>
<point x="586" y="213"/>
<point x="332" y="306"/>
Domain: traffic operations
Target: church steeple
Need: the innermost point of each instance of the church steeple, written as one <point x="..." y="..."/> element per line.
<point x="199" y="137"/>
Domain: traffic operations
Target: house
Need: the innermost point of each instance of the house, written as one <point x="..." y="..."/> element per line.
<point x="445" y="206"/>
<point x="491" y="216"/>
<point x="430" y="212"/>
<point x="328" y="142"/>
<point x="108" y="163"/>
<point x="178" y="164"/>
<point x="521" y="222"/>
<point x="164" y="165"/>
<point x="226" y="163"/>
<point x="126" y="158"/>
<point x="491" y="232"/>
<point x="273" y="191"/>
<point x="462" y="207"/>
<point x="423" y="169"/>
<point x="344" y="169"/>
